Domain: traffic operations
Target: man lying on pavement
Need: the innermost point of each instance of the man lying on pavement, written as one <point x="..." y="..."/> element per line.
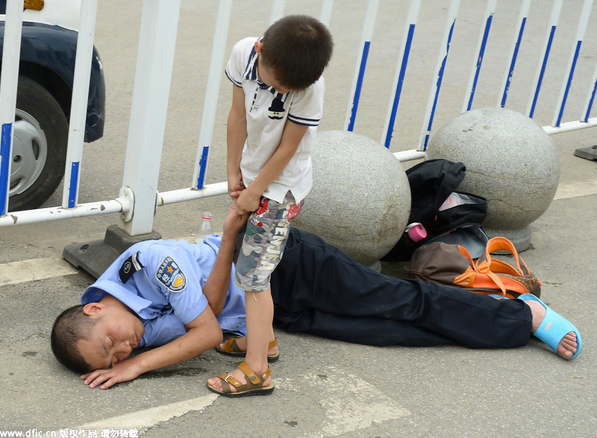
<point x="179" y="298"/>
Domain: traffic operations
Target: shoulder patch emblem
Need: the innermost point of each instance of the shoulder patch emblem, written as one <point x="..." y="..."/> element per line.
<point x="171" y="276"/>
<point x="129" y="267"/>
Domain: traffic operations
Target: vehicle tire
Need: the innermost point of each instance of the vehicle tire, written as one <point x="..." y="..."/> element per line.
<point x="40" y="136"/>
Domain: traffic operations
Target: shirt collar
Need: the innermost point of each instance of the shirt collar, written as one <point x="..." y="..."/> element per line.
<point x="251" y="72"/>
<point x="97" y="291"/>
<point x="251" y="68"/>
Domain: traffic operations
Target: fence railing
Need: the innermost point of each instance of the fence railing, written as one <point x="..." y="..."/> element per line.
<point x="139" y="194"/>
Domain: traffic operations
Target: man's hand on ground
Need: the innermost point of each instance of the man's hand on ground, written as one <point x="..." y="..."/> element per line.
<point x="121" y="372"/>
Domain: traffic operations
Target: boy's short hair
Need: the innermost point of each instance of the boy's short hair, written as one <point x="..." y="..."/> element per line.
<point x="297" y="48"/>
<point x="70" y="327"/>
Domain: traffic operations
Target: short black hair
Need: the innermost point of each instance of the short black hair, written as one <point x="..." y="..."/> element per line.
<point x="72" y="326"/>
<point x="297" y="48"/>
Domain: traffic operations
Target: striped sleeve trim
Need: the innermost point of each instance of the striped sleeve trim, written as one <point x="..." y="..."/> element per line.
<point x="303" y="120"/>
<point x="235" y="82"/>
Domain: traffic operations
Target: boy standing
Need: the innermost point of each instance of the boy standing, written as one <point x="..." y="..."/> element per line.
<point x="277" y="103"/>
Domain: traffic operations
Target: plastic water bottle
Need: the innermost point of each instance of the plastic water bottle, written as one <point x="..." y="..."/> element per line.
<point x="204" y="227"/>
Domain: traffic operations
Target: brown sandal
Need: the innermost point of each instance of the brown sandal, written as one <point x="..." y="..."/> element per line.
<point x="231" y="348"/>
<point x="254" y="385"/>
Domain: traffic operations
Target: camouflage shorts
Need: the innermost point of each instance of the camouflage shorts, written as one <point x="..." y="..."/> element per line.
<point x="263" y="242"/>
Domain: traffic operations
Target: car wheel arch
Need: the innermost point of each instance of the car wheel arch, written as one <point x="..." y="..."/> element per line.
<point x="55" y="84"/>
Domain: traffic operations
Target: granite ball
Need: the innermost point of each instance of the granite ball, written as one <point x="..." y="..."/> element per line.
<point x="510" y="160"/>
<point x="360" y="201"/>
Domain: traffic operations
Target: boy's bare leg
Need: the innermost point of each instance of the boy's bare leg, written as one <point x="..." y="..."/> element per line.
<point x="241" y="343"/>
<point x="260" y="315"/>
<point x="568" y="344"/>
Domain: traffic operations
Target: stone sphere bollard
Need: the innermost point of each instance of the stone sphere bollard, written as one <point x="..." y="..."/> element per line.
<point x="510" y="160"/>
<point x="360" y="201"/>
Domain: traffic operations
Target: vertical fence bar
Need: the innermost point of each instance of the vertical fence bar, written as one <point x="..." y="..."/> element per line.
<point x="359" y="74"/>
<point x="580" y="33"/>
<point x="8" y="93"/>
<point x="277" y="11"/>
<point x="437" y="82"/>
<point x="326" y="12"/>
<point x="551" y="31"/>
<point x="153" y="74"/>
<point x="409" y="31"/>
<point x="590" y="98"/>
<point x="522" y="19"/>
<point x="472" y="83"/>
<point x="80" y="97"/>
<point x="212" y="90"/>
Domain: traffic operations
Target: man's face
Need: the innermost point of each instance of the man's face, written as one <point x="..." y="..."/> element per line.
<point x="113" y="338"/>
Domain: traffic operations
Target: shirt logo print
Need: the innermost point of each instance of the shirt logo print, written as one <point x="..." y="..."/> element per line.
<point x="276" y="111"/>
<point x="171" y="275"/>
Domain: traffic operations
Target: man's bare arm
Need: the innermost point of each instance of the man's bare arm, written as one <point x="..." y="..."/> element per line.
<point x="203" y="333"/>
<point x="216" y="286"/>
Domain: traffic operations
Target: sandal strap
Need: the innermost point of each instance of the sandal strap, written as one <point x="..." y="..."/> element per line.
<point x="232" y="346"/>
<point x="252" y="375"/>
<point x="230" y="379"/>
<point x="254" y="382"/>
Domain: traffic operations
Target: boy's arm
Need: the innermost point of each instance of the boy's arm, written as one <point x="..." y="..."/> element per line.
<point x="203" y="333"/>
<point x="236" y="136"/>
<point x="216" y="286"/>
<point x="248" y="200"/>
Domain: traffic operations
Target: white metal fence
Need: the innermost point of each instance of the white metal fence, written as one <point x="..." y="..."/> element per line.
<point x="139" y="194"/>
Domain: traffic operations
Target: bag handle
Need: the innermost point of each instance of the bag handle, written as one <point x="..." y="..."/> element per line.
<point x="503" y="244"/>
<point x="483" y="267"/>
<point x="498" y="266"/>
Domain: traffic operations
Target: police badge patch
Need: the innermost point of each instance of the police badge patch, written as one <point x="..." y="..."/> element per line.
<point x="171" y="276"/>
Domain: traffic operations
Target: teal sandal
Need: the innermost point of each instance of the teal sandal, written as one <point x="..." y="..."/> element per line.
<point x="554" y="327"/>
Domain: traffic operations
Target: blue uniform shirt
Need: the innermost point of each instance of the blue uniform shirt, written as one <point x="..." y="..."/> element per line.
<point x="161" y="281"/>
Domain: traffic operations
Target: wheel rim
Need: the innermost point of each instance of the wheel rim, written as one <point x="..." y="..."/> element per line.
<point x="29" y="152"/>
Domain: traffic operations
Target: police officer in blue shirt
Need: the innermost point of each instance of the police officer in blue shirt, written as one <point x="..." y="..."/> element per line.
<point x="175" y="296"/>
<point x="179" y="298"/>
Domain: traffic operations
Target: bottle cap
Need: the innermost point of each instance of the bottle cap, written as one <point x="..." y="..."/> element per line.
<point x="206" y="215"/>
<point x="417" y="232"/>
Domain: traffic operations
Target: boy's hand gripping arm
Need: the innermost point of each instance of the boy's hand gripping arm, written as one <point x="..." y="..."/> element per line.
<point x="248" y="200"/>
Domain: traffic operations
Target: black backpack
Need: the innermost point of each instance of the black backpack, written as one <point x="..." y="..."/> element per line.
<point x="432" y="182"/>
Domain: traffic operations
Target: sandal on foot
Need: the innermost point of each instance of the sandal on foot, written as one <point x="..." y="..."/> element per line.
<point x="554" y="327"/>
<point x="231" y="348"/>
<point x="254" y="385"/>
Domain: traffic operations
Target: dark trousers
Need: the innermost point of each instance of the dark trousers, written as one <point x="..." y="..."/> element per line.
<point x="318" y="289"/>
